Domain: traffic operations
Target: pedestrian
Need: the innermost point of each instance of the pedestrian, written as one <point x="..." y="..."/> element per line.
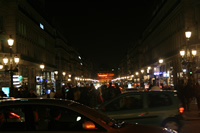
<point x="84" y="96"/>
<point x="77" y="94"/>
<point x="117" y="90"/>
<point x="99" y="96"/>
<point x="59" y="94"/>
<point x="197" y="95"/>
<point x="92" y="94"/>
<point x="70" y="93"/>
<point x="150" y="85"/>
<point x="31" y="94"/>
<point x="14" y="92"/>
<point x="20" y="93"/>
<point x="2" y="94"/>
<point x="109" y="93"/>
<point x="52" y="93"/>
<point x="25" y="92"/>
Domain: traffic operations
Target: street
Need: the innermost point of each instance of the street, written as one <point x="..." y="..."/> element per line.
<point x="191" y="126"/>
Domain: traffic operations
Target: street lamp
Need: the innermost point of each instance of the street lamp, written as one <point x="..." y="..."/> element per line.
<point x="8" y="62"/>
<point x="160" y="61"/>
<point x="188" y="34"/>
<point x="42" y="66"/>
<point x="56" y="72"/>
<point x="188" y="65"/>
<point x="137" y="73"/>
<point x="187" y="54"/>
<point x="64" y="73"/>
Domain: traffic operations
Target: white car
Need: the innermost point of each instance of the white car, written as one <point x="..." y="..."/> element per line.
<point x="56" y="115"/>
<point x="160" y="108"/>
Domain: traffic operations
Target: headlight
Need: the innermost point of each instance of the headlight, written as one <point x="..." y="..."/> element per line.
<point x="170" y="130"/>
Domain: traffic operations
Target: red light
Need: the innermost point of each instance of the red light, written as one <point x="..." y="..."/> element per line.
<point x="181" y="110"/>
<point x="120" y="88"/>
<point x="13" y="116"/>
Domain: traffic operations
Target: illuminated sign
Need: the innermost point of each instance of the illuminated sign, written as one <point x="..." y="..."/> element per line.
<point x="158" y="73"/>
<point x="166" y="74"/>
<point x="17" y="79"/>
<point x="105" y="76"/>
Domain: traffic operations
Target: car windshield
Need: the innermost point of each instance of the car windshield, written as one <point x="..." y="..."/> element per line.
<point x="101" y="117"/>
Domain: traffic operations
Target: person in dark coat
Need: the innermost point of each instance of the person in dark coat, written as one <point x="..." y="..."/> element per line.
<point x="31" y="94"/>
<point x="109" y="93"/>
<point x="92" y="94"/>
<point x="117" y="89"/>
<point x="84" y="96"/>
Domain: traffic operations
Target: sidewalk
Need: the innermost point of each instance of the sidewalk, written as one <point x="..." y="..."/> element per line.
<point x="193" y="114"/>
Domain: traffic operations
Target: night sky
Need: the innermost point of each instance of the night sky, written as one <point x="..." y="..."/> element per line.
<point x="101" y="31"/>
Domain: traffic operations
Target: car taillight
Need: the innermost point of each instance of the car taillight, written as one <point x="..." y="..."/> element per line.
<point x="13" y="115"/>
<point x="181" y="110"/>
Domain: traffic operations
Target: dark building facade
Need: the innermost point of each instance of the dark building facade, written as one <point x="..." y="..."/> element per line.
<point x="36" y="42"/>
<point x="163" y="38"/>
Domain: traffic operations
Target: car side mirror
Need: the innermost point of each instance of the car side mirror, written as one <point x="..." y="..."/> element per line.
<point x="88" y="125"/>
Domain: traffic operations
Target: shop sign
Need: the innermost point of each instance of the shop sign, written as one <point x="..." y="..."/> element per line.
<point x="158" y="73"/>
<point x="165" y="74"/>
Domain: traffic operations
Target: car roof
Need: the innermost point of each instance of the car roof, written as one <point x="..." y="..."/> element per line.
<point x="150" y="91"/>
<point x="46" y="101"/>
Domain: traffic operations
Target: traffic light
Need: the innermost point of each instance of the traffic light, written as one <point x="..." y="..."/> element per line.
<point x="190" y="71"/>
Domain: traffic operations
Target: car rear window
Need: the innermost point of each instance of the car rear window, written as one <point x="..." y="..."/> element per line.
<point x="159" y="100"/>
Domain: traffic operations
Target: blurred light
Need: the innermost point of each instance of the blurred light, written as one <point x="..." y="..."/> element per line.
<point x="188" y="34"/>
<point x="78" y="118"/>
<point x="181" y="110"/>
<point x="10" y="42"/>
<point x="182" y="52"/>
<point x="160" y="61"/>
<point x="1" y="66"/>
<point x="142" y="71"/>
<point x="194" y="52"/>
<point x="16" y="59"/>
<point x="5" y="60"/>
<point x="42" y="66"/>
<point x="56" y="72"/>
<point x="63" y="73"/>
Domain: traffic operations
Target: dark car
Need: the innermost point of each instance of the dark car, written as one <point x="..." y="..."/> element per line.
<point x="160" y="108"/>
<point x="55" y="115"/>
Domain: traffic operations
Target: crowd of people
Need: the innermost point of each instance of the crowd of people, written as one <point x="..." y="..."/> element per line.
<point x="20" y="93"/>
<point x="87" y="95"/>
<point x="90" y="96"/>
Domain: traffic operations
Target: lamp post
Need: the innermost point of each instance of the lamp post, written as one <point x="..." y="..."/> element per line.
<point x="9" y="65"/>
<point x="187" y="55"/>
<point x="136" y="73"/>
<point x="160" y="64"/>
<point x="56" y="74"/>
<point x="188" y="63"/>
<point x="63" y="73"/>
<point x="42" y="66"/>
<point x="142" y="79"/>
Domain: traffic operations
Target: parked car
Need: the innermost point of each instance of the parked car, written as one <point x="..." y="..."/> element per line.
<point x="56" y="115"/>
<point x="161" y="108"/>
